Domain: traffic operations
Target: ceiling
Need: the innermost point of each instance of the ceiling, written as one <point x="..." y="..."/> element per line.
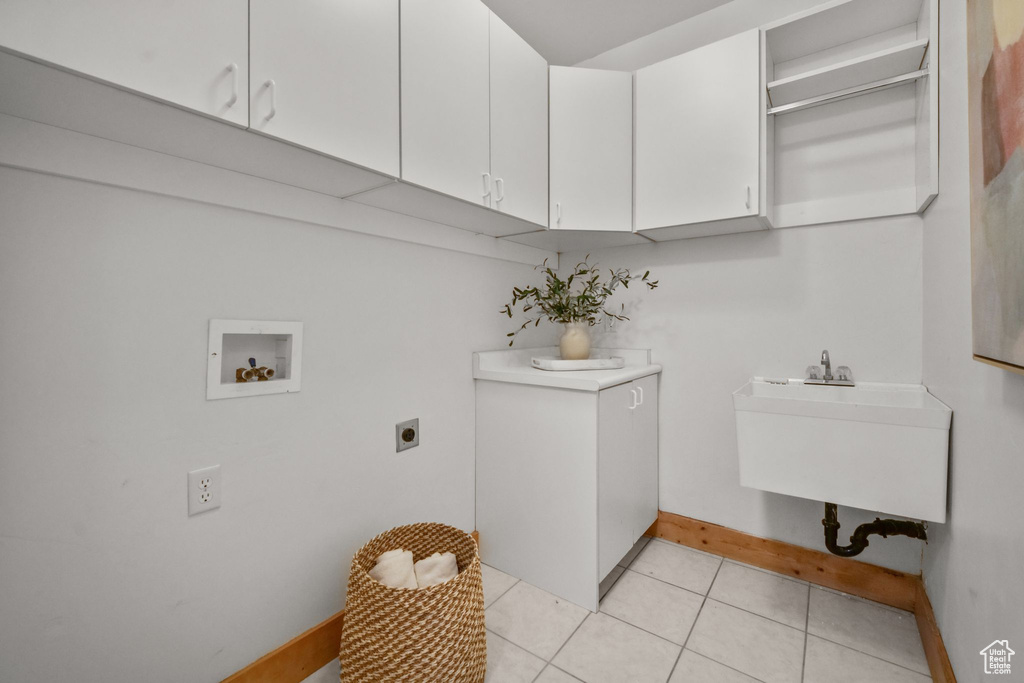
<point x="567" y="32"/>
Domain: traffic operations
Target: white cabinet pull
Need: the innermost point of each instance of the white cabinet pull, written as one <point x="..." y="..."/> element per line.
<point x="271" y="86"/>
<point x="558" y="212"/>
<point x="233" y="70"/>
<point x="487" y="186"/>
<point x="500" y="184"/>
<point x="748" y="196"/>
<point x="635" y="404"/>
<point x="641" y="401"/>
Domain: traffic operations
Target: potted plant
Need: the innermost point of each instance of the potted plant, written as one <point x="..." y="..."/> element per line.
<point x="578" y="302"/>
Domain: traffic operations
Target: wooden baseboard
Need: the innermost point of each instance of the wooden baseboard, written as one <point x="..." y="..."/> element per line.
<point x="298" y="658"/>
<point x="931" y="638"/>
<point x="879" y="584"/>
<point x="301" y="656"/>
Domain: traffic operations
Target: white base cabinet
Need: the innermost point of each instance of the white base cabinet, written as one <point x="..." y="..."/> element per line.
<point x="567" y="479"/>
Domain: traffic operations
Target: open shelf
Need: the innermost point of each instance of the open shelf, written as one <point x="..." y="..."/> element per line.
<point x="851" y="111"/>
<point x="838" y="23"/>
<point x="876" y="67"/>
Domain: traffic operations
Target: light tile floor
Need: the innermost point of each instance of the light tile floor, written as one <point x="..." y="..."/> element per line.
<point x="677" y="615"/>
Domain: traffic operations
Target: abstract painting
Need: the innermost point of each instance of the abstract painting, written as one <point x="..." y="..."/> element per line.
<point x="995" y="45"/>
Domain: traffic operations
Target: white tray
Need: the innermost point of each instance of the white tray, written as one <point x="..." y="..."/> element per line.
<point x="555" y="363"/>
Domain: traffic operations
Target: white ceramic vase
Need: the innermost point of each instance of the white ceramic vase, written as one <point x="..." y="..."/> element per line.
<point x="575" y="341"/>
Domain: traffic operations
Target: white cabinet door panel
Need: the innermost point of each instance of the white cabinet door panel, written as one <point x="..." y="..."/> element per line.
<point x="445" y="99"/>
<point x="616" y="477"/>
<point x="698" y="122"/>
<point x="334" y="67"/>
<point x="645" y="456"/>
<point x="178" y="51"/>
<point x="591" y="132"/>
<point x="519" y="125"/>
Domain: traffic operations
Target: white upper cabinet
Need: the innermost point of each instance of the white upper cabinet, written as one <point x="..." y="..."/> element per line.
<point x="445" y="98"/>
<point x="698" y="136"/>
<point x="193" y="53"/>
<point x="591" y="124"/>
<point x="519" y="125"/>
<point x="324" y="75"/>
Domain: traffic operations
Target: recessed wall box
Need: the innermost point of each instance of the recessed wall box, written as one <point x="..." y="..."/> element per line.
<point x="272" y="347"/>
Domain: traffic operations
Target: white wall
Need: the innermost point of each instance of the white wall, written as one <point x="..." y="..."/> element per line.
<point x="763" y="304"/>
<point x="105" y="298"/>
<point x="972" y="565"/>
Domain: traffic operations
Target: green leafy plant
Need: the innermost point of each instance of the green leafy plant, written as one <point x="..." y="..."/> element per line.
<point x="580" y="297"/>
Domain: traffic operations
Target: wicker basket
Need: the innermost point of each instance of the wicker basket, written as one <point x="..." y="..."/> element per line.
<point x="427" y="634"/>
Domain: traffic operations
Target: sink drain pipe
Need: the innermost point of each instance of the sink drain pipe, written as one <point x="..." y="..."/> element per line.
<point x="859" y="540"/>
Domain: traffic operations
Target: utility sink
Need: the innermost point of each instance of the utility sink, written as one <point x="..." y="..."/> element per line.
<point x="875" y="446"/>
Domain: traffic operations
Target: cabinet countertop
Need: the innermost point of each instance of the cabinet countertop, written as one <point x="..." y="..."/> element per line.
<point x="515" y="366"/>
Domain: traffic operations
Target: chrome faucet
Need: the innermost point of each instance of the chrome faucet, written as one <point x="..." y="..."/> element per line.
<point x="816" y="376"/>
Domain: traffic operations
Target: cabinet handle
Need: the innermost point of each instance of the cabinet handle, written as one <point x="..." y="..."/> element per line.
<point x="233" y="70"/>
<point x="641" y="401"/>
<point x="487" y="187"/>
<point x="748" y="196"/>
<point x="500" y="184"/>
<point x="635" y="404"/>
<point x="558" y="212"/>
<point x="271" y="86"/>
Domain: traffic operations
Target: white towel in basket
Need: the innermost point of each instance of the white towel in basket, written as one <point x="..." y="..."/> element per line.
<point x="395" y="569"/>
<point x="437" y="568"/>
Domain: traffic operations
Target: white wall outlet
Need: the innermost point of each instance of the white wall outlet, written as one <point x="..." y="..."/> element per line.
<point x="203" y="490"/>
<point x="407" y="435"/>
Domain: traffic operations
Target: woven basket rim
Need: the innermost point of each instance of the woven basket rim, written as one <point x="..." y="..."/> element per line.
<point x="377" y="585"/>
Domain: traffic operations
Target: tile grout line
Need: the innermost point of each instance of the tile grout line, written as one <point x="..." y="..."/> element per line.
<point x="731" y="668"/>
<point x="769" y="572"/>
<point x="552" y="666"/>
<point x="708" y="595"/>
<point x="640" y="628"/>
<point x="560" y="647"/>
<point x="674" y="585"/>
<point x="703" y="602"/>
<point x="868" y="654"/>
<point x="502" y="592"/>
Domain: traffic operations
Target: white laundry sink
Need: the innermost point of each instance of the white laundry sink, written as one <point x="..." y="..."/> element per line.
<point x="875" y="446"/>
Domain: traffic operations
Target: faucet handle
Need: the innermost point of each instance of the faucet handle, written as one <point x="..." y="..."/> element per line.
<point x="844" y="374"/>
<point x="813" y="372"/>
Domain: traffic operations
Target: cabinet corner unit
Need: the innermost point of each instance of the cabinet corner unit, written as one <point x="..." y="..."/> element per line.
<point x="566" y="468"/>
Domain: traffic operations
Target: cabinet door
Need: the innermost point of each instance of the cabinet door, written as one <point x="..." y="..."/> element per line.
<point x="519" y="125"/>
<point x="445" y="100"/>
<point x="324" y="75"/>
<point x="193" y="53"/>
<point x="616" y="487"/>
<point x="698" y="123"/>
<point x="591" y="149"/>
<point x="645" y="456"/>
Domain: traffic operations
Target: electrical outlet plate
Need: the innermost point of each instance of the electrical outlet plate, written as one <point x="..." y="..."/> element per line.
<point x="407" y="435"/>
<point x="203" y="490"/>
